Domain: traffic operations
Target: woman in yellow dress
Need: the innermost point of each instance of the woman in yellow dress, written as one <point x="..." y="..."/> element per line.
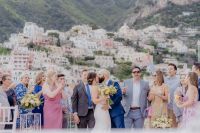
<point x="158" y="96"/>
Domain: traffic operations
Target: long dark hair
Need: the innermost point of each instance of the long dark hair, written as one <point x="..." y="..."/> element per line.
<point x="91" y="77"/>
<point x="193" y="78"/>
<point x="160" y="77"/>
<point x="4" y="77"/>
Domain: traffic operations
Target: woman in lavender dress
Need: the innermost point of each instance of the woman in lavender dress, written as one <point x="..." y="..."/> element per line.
<point x="190" y="105"/>
<point x="180" y="93"/>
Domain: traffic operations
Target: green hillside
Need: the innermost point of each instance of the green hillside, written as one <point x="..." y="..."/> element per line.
<point x="108" y="14"/>
<point x="172" y="16"/>
<point x="61" y="14"/>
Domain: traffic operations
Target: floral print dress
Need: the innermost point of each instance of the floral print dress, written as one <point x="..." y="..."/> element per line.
<point x="20" y="91"/>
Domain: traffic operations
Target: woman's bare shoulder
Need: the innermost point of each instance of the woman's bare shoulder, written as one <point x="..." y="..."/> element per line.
<point x="192" y="91"/>
<point x="165" y="86"/>
<point x="45" y="87"/>
<point x="95" y="87"/>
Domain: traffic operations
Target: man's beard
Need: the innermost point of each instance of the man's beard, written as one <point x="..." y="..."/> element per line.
<point x="101" y="79"/>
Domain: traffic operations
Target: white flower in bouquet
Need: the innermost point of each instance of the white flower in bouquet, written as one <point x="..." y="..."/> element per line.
<point x="108" y="91"/>
<point x="162" y="122"/>
<point x="30" y="101"/>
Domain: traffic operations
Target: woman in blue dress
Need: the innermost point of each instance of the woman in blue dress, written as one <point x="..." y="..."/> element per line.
<point x="40" y="79"/>
<point x="20" y="91"/>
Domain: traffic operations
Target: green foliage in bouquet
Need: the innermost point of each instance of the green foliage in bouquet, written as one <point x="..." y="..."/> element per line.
<point x="30" y="101"/>
<point x="108" y="91"/>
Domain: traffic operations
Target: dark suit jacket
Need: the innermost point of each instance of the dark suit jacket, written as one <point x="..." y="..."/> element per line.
<point x="117" y="108"/>
<point x="199" y="88"/>
<point x="80" y="100"/>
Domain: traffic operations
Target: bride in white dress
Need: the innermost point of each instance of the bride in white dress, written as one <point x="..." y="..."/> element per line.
<point x="101" y="113"/>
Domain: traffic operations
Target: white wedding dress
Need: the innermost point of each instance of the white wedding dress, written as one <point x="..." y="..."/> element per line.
<point x="102" y="119"/>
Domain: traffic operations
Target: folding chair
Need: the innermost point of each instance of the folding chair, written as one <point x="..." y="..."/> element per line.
<point x="5" y="117"/>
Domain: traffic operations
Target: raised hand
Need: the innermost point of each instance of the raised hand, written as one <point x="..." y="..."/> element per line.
<point x="30" y="89"/>
<point x="59" y="85"/>
<point x="124" y="90"/>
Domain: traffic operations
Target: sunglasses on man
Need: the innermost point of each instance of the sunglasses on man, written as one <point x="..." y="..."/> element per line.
<point x="135" y="72"/>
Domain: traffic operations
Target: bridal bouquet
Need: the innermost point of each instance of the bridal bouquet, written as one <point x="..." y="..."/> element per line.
<point x="108" y="91"/>
<point x="30" y="101"/>
<point x="162" y="122"/>
<point x="177" y="98"/>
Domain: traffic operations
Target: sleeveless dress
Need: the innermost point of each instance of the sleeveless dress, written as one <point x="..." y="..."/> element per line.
<point x="102" y="118"/>
<point x="53" y="112"/>
<point x="158" y="105"/>
<point x="39" y="109"/>
<point x="191" y="114"/>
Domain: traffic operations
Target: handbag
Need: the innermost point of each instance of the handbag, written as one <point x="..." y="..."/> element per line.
<point x="149" y="111"/>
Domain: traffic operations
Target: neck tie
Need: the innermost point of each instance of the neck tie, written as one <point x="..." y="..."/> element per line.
<point x="89" y="96"/>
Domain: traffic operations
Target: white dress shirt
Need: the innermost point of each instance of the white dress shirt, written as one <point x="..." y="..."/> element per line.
<point x="107" y="81"/>
<point x="136" y="94"/>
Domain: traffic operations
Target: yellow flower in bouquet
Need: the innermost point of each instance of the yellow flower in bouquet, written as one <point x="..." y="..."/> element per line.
<point x="108" y="91"/>
<point x="177" y="97"/>
<point x="162" y="122"/>
<point x="30" y="101"/>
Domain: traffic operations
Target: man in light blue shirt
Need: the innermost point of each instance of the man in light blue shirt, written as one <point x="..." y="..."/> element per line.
<point x="65" y="102"/>
<point x="67" y="108"/>
<point x="173" y="82"/>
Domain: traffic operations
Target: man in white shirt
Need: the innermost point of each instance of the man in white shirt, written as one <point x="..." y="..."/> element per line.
<point x="135" y="97"/>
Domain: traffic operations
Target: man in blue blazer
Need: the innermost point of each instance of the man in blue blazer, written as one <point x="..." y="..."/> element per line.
<point x="117" y="111"/>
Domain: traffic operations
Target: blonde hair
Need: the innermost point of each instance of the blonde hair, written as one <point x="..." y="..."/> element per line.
<point x="38" y="79"/>
<point x="104" y="72"/>
<point x="23" y="75"/>
<point x="50" y="73"/>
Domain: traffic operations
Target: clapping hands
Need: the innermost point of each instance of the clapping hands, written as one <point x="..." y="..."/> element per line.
<point x="60" y="85"/>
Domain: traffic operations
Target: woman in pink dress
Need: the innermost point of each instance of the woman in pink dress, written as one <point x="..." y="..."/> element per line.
<point x="190" y="105"/>
<point x="52" y="91"/>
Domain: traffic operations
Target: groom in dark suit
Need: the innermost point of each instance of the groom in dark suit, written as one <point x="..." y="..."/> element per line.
<point x="117" y="111"/>
<point x="82" y="106"/>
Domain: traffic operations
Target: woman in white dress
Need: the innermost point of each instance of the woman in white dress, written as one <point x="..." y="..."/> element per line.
<point x="101" y="113"/>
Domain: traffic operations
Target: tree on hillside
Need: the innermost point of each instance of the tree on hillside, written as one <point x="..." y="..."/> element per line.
<point x="152" y="42"/>
<point x="94" y="26"/>
<point x="56" y="35"/>
<point x="4" y="51"/>
<point x="123" y="70"/>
